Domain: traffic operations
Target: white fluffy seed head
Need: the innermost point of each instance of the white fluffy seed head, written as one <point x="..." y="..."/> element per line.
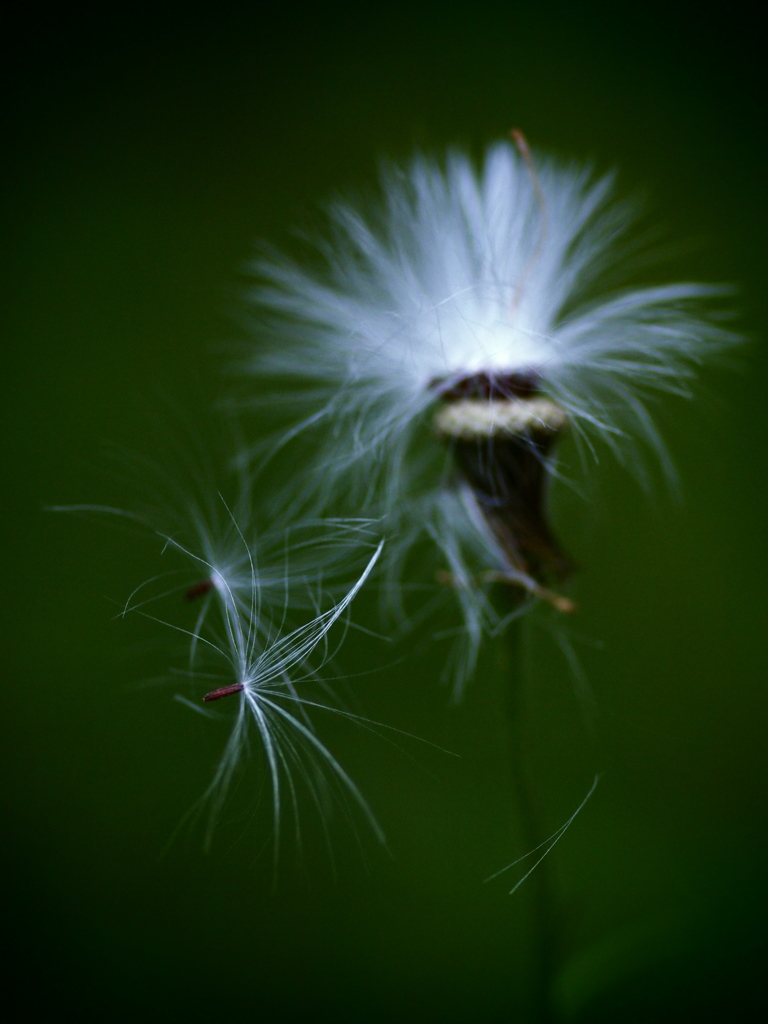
<point x="463" y="271"/>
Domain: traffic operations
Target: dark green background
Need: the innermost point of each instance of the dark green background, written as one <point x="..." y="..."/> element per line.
<point x="145" y="154"/>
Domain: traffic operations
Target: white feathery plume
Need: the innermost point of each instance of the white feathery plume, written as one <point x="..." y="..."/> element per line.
<point x="465" y="308"/>
<point x="265" y="675"/>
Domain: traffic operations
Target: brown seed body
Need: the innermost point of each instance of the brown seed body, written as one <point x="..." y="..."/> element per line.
<point x="224" y="691"/>
<point x="198" y="589"/>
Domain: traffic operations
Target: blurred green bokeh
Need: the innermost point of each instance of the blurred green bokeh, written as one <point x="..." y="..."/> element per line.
<point x="146" y="155"/>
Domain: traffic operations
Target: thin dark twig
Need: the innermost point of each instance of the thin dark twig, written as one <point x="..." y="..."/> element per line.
<point x="544" y="943"/>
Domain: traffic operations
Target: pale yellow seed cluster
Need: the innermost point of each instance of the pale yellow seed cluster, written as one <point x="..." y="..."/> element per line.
<point x="470" y="418"/>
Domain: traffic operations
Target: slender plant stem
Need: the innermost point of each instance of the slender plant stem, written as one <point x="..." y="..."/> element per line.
<point x="543" y="942"/>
